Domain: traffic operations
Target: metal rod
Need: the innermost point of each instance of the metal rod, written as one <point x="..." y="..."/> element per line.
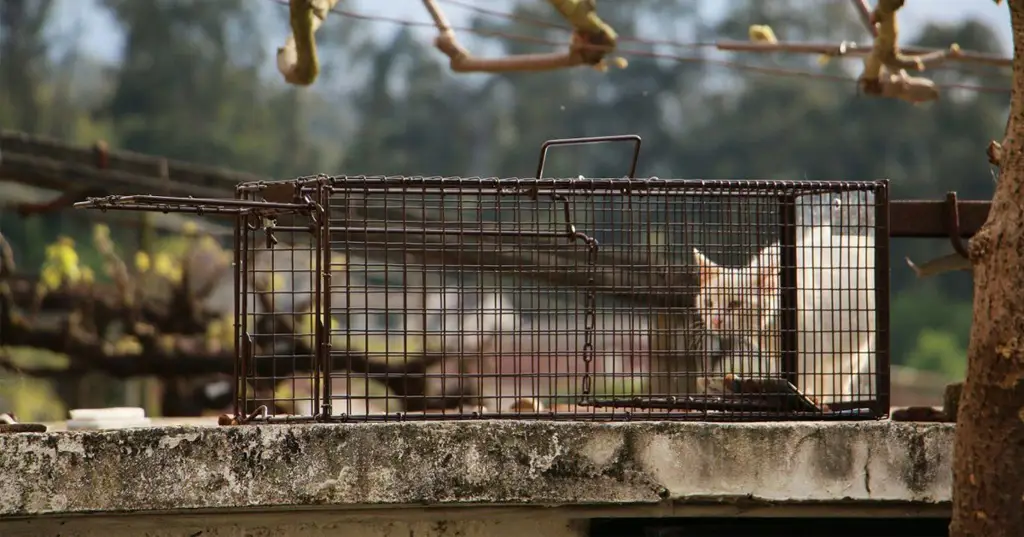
<point x="474" y="185"/>
<point x="625" y="414"/>
<point x="239" y="269"/>
<point x="883" y="345"/>
<point x="326" y="368"/>
<point x="113" y="201"/>
<point x="199" y="209"/>
<point x="929" y="218"/>
<point x="452" y="232"/>
<point x="669" y="191"/>
<point x="243" y="350"/>
<point x="788" y="288"/>
<point x="635" y="138"/>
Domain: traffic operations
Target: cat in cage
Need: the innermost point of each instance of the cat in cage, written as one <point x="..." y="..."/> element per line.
<point x="739" y="307"/>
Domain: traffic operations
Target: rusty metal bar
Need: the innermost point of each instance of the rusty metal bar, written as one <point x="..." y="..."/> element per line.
<point x="451" y="232"/>
<point x="582" y="187"/>
<point x="930" y="218"/>
<point x="667" y="410"/>
<point x="243" y="352"/>
<point x="321" y="307"/>
<point x="325" y="369"/>
<point x="909" y="218"/>
<point x="236" y="390"/>
<point x="577" y="186"/>
<point x="882" y="291"/>
<point x="788" y="285"/>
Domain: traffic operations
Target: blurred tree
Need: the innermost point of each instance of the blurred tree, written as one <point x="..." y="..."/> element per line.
<point x="23" y="62"/>
<point x="190" y="88"/>
<point x="938" y="350"/>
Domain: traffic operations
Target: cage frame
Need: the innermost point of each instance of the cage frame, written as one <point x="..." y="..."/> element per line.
<point x="786" y="191"/>
<point x="310" y="197"/>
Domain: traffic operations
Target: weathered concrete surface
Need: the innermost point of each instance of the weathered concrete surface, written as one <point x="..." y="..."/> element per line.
<point x="472" y="464"/>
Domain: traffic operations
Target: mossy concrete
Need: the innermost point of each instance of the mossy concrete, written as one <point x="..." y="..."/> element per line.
<point x="472" y="464"/>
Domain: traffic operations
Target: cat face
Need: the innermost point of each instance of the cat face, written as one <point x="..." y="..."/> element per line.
<point x="736" y="300"/>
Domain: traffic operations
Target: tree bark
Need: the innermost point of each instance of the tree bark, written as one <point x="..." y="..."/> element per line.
<point x="988" y="471"/>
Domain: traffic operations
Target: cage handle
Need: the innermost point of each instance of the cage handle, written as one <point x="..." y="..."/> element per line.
<point x="635" y="138"/>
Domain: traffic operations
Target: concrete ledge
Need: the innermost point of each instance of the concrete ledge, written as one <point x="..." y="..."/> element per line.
<point x="479" y="463"/>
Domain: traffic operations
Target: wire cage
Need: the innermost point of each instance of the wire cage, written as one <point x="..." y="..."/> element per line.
<point x="388" y="298"/>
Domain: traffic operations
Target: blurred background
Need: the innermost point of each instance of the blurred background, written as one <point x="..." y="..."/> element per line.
<point x="195" y="80"/>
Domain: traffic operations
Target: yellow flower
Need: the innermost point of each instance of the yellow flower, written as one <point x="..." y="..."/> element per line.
<point x="165" y="267"/>
<point x="61" y="265"/>
<point x="142" y="261"/>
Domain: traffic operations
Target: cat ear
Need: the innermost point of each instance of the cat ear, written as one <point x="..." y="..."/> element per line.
<point x="706" y="268"/>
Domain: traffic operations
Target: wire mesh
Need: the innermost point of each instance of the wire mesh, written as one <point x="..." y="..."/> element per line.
<point x="442" y="298"/>
<point x="385" y="298"/>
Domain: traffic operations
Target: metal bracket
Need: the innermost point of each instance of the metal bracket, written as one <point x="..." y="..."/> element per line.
<point x="280" y="192"/>
<point x="953" y="224"/>
<point x="268" y="228"/>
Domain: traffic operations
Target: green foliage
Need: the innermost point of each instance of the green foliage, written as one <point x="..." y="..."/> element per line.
<point x="32" y="400"/>
<point x="940" y="351"/>
<point x="930" y="330"/>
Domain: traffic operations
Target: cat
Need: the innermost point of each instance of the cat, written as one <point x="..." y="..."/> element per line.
<point x="835" y="310"/>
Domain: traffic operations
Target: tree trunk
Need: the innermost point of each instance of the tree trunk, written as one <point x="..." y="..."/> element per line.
<point x="988" y="471"/>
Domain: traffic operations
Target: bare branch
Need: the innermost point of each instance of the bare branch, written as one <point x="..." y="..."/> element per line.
<point x="849" y="48"/>
<point x="885" y="68"/>
<point x="913" y="89"/>
<point x="591" y="41"/>
<point x="885" y="63"/>
<point x="995" y="153"/>
<point x="940" y="265"/>
<point x="885" y="52"/>
<point x="297" y="60"/>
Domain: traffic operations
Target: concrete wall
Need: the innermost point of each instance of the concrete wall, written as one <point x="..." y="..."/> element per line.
<point x="479" y="477"/>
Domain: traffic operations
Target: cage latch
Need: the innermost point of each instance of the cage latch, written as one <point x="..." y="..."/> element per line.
<point x="268" y="228"/>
